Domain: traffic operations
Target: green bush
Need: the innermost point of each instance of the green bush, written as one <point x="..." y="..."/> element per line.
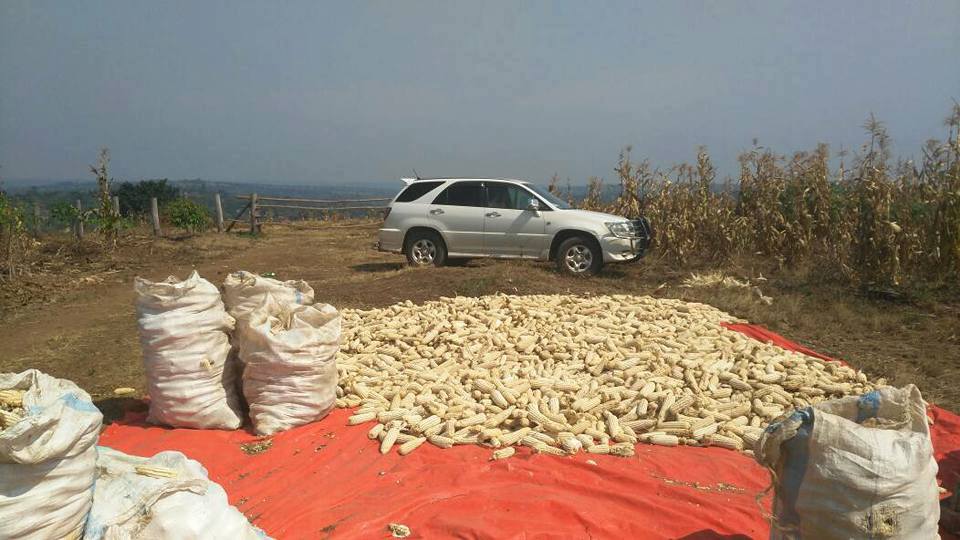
<point x="188" y="215"/>
<point x="64" y="213"/>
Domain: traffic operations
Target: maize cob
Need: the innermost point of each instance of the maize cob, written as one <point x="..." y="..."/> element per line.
<point x="155" y="472"/>
<point x="702" y="431"/>
<point x="723" y="442"/>
<point x="361" y="418"/>
<point x="12" y="398"/>
<point x="441" y="441"/>
<point x="411" y="445"/>
<point x="663" y="439"/>
<point x="511" y="438"/>
<point x="682" y="403"/>
<point x="9" y="418"/>
<point x="622" y="450"/>
<point x="389" y="438"/>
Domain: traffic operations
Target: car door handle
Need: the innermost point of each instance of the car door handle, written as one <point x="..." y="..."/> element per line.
<point x="437" y="211"/>
<point x="492" y="214"/>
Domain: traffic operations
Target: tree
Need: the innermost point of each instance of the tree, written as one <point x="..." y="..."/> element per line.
<point x="135" y="196"/>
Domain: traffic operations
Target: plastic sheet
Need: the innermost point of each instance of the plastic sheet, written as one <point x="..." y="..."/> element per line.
<point x="327" y="480"/>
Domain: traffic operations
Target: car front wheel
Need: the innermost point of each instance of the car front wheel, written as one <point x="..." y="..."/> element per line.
<point x="426" y="248"/>
<point x="579" y="256"/>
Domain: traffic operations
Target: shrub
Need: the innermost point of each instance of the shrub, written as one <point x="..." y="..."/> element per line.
<point x="64" y="214"/>
<point x="188" y="215"/>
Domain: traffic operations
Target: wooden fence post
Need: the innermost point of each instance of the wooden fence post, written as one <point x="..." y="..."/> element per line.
<point x="253" y="214"/>
<point x="116" y="205"/>
<point x="36" y="219"/>
<point x="216" y="200"/>
<point x="79" y="227"/>
<point x="155" y="216"/>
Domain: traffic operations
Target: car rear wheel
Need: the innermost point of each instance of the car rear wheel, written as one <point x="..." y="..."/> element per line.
<point x="579" y="256"/>
<point x="425" y="248"/>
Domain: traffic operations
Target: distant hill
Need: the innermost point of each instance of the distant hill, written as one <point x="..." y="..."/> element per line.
<point x="47" y="192"/>
<point x="18" y="187"/>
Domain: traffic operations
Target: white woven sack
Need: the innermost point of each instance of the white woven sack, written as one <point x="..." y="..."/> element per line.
<point x="290" y="373"/>
<point x="47" y="459"/>
<point x="244" y="292"/>
<point x="128" y="505"/>
<point x="191" y="378"/>
<point x="855" y="467"/>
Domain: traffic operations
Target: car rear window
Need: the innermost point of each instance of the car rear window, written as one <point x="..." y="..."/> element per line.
<point x="462" y="194"/>
<point x="416" y="190"/>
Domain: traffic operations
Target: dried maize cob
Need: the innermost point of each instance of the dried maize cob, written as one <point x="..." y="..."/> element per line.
<point x="155" y="472"/>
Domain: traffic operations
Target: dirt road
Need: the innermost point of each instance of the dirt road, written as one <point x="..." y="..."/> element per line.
<point x="82" y="325"/>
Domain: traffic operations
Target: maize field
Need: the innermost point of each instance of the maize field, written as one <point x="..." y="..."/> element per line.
<point x="871" y="221"/>
<point x="562" y="373"/>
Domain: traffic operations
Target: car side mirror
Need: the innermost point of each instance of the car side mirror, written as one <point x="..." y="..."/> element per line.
<point x="534" y="204"/>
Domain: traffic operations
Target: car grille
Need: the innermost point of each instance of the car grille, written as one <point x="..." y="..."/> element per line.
<point x="641" y="228"/>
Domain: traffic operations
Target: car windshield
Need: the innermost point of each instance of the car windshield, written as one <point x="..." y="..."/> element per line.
<point x="550" y="197"/>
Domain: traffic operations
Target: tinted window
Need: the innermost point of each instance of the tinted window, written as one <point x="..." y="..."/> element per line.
<point x="416" y="190"/>
<point x="507" y="196"/>
<point x="511" y="197"/>
<point x="462" y="194"/>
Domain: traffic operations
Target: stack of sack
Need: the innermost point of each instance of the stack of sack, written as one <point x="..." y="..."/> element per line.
<point x="281" y="358"/>
<point x="55" y="482"/>
<point x="854" y="467"/>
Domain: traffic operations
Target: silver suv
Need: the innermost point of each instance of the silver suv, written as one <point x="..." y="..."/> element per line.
<point x="437" y="219"/>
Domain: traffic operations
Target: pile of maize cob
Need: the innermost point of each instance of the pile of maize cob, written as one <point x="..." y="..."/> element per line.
<point x="563" y="373"/>
<point x="11" y="408"/>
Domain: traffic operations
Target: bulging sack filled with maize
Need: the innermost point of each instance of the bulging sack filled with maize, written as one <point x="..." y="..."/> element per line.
<point x="290" y="373"/>
<point x="191" y="377"/>
<point x="854" y="467"/>
<point x="165" y="496"/>
<point x="48" y="436"/>
<point x="243" y="292"/>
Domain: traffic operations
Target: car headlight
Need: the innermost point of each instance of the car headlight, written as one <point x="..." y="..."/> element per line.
<point x="622" y="229"/>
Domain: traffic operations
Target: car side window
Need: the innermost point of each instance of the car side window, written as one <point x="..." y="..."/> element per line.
<point x="500" y="195"/>
<point x="462" y="194"/>
<point x="416" y="190"/>
<point x="510" y="197"/>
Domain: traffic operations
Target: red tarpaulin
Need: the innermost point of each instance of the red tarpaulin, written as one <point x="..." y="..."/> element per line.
<point x="328" y="480"/>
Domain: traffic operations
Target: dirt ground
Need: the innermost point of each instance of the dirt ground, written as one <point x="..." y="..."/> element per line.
<point x="73" y="314"/>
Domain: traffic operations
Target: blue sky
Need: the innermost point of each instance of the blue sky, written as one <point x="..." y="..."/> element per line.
<point x="310" y="92"/>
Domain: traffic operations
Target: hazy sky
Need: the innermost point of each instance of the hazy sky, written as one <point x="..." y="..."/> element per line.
<point x="310" y="92"/>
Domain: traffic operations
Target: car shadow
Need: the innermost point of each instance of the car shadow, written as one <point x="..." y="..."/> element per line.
<point x="378" y="267"/>
<point x="710" y="534"/>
